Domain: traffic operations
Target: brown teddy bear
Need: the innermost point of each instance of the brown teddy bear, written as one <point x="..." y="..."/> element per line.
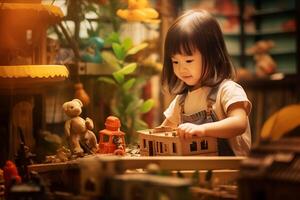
<point x="264" y="63"/>
<point x="78" y="130"/>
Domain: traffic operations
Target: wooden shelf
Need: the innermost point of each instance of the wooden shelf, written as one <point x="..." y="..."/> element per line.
<point x="269" y="32"/>
<point x="226" y="14"/>
<point x="267" y="83"/>
<point x="273" y="11"/>
<point x="276" y="52"/>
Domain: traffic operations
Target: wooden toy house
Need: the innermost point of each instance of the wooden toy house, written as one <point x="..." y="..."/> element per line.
<point x="168" y="143"/>
<point x="24" y="71"/>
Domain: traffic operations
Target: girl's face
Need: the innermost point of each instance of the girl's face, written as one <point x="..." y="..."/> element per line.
<point x="188" y="67"/>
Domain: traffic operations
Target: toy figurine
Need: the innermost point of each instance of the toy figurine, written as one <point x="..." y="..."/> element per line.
<point x="78" y="130"/>
<point x="111" y="139"/>
<point x="10" y="175"/>
<point x="264" y="63"/>
<point x="92" y="51"/>
<point x="81" y="94"/>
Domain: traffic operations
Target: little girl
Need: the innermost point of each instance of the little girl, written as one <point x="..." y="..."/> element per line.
<point x="198" y="70"/>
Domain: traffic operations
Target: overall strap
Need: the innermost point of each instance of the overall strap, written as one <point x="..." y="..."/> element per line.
<point x="210" y="100"/>
<point x="181" y="102"/>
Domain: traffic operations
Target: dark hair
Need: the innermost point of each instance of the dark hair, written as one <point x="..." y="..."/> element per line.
<point x="196" y="30"/>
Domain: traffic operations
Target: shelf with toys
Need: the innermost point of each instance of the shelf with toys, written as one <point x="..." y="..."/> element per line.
<point x="275" y="23"/>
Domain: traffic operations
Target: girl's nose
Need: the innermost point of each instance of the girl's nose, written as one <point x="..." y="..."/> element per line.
<point x="182" y="67"/>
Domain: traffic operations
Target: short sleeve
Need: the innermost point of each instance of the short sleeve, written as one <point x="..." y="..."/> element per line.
<point x="231" y="93"/>
<point x="172" y="113"/>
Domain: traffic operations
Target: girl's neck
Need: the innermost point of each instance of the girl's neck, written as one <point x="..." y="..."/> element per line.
<point x="195" y="87"/>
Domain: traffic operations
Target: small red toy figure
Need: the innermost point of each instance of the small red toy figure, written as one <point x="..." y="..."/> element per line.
<point x="111" y="139"/>
<point x="10" y="175"/>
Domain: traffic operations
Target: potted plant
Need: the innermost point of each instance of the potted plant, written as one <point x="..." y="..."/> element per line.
<point x="127" y="103"/>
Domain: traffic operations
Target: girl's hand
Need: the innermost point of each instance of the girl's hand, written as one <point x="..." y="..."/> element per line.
<point x="189" y="130"/>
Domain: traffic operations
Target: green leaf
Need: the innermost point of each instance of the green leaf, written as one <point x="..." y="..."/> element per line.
<point x="107" y="80"/>
<point x="140" y="124"/>
<point x="119" y="51"/>
<point x="112" y="38"/>
<point x="137" y="48"/>
<point x="118" y="77"/>
<point x="127" y="44"/>
<point x="110" y="59"/>
<point x="132" y="106"/>
<point x="128" y="84"/>
<point x="146" y="106"/>
<point x="128" y="69"/>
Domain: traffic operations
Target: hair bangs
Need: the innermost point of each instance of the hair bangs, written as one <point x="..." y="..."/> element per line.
<point x="182" y="42"/>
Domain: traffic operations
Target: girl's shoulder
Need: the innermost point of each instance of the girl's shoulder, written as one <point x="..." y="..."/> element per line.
<point x="229" y="84"/>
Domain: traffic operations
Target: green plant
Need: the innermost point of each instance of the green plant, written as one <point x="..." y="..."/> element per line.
<point x="127" y="103"/>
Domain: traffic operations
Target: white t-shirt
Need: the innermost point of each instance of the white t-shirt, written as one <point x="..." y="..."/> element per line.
<point x="229" y="92"/>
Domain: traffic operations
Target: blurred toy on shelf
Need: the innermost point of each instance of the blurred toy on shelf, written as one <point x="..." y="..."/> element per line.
<point x="229" y="9"/>
<point x="10" y="175"/>
<point x="81" y="94"/>
<point x="92" y="50"/>
<point x="289" y="25"/>
<point x="111" y="139"/>
<point x="62" y="154"/>
<point x="264" y="63"/>
<point x="139" y="10"/>
<point x="78" y="130"/>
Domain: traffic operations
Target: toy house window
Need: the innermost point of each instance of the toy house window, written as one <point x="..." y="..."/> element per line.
<point x="90" y="185"/>
<point x="104" y="166"/>
<point x="105" y="138"/>
<point x="193" y="146"/>
<point x="174" y="147"/>
<point x="144" y="142"/>
<point x="160" y="146"/>
<point x="204" y="144"/>
<point x="166" y="147"/>
<point x="157" y="150"/>
<point x="137" y="192"/>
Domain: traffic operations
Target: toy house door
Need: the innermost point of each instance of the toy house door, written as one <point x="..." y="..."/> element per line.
<point x="150" y="144"/>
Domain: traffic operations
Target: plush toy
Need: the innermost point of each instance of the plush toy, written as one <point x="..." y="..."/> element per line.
<point x="78" y="130"/>
<point x="265" y="64"/>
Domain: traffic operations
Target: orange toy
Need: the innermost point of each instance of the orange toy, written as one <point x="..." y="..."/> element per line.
<point x="111" y="139"/>
<point x="10" y="175"/>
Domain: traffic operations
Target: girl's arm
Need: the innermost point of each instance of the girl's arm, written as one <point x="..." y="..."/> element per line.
<point x="235" y="124"/>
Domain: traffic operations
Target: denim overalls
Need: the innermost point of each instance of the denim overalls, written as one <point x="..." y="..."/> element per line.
<point x="206" y="116"/>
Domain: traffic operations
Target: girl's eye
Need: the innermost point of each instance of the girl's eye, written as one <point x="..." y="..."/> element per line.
<point x="175" y="62"/>
<point x="189" y="61"/>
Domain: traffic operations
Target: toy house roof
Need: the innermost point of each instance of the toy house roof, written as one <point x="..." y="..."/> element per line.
<point x="24" y="75"/>
<point x="45" y="13"/>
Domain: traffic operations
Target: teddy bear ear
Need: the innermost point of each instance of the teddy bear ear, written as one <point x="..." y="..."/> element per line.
<point x="78" y="101"/>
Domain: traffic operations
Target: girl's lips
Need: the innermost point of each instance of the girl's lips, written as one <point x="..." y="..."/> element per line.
<point x="186" y="77"/>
